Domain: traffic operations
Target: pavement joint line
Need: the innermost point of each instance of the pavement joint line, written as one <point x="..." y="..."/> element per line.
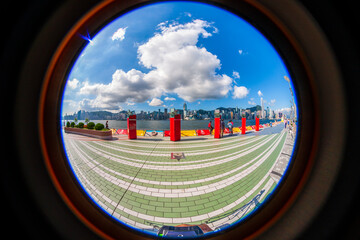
<point x="189" y="140"/>
<point x="236" y="139"/>
<point x="141" y="152"/>
<point x="199" y="217"/>
<point x="174" y="167"/>
<point x="84" y="153"/>
<point x="256" y="140"/>
<point x="131" y="183"/>
<point x="194" y="191"/>
<point x="126" y="220"/>
<point x="221" y="175"/>
<point x="138" y="218"/>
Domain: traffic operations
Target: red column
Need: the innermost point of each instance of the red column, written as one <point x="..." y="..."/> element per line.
<point x="257" y="121"/>
<point x="131" y="127"/>
<point x="217" y="127"/>
<point x="243" y="125"/>
<point x="175" y="128"/>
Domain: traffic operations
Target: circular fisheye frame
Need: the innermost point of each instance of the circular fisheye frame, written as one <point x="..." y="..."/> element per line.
<point x="190" y="120"/>
<point x="179" y="119"/>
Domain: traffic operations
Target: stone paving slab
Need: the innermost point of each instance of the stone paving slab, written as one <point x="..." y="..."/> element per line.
<point x="137" y="182"/>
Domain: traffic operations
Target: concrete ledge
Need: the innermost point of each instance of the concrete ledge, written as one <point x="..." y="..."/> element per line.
<point x="107" y="135"/>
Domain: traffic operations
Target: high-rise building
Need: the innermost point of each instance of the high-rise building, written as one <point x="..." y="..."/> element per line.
<point x="185" y="109"/>
<point x="262" y="107"/>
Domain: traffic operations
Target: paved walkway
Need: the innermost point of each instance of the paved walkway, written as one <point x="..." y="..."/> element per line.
<point x="138" y="182"/>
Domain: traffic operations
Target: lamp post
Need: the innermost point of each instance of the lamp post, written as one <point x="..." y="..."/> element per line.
<point x="292" y="95"/>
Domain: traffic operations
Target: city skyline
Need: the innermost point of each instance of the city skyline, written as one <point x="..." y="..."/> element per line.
<point x="186" y="114"/>
<point x="182" y="52"/>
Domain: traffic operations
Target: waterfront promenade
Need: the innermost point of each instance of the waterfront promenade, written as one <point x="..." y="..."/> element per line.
<point x="139" y="182"/>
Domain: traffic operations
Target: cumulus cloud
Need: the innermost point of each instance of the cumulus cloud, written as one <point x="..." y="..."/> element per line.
<point x="124" y="88"/>
<point x="260" y="93"/>
<point x="176" y="65"/>
<point x="236" y="74"/>
<point x="72" y="84"/>
<point x="119" y="34"/>
<point x="283" y="110"/>
<point x="155" y="102"/>
<point x="252" y="103"/>
<point x="272" y="102"/>
<point x="179" y="66"/>
<point x="240" y="92"/>
<point x="169" y="99"/>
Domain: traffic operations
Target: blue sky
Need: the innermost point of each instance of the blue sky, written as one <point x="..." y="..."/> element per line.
<point x="165" y="54"/>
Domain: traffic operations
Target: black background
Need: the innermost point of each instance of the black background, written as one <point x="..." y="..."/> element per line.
<point x="23" y="217"/>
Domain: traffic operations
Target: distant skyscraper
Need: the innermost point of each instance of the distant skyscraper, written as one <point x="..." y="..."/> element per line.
<point x="185" y="109"/>
<point x="262" y="107"/>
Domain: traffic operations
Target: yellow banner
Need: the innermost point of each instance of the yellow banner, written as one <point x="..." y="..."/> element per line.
<point x="140" y="132"/>
<point x="236" y="129"/>
<point x="187" y="133"/>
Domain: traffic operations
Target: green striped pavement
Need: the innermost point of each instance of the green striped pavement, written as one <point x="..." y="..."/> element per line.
<point x="138" y="183"/>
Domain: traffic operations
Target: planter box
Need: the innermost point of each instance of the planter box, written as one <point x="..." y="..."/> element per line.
<point x="91" y="133"/>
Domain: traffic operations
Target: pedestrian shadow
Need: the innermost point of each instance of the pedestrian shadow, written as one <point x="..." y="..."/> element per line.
<point x="193" y="139"/>
<point x="233" y="135"/>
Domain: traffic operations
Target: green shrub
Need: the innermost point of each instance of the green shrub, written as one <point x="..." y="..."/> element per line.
<point x="81" y="125"/>
<point x="99" y="126"/>
<point x="90" y="125"/>
<point x="68" y="124"/>
<point x="72" y="124"/>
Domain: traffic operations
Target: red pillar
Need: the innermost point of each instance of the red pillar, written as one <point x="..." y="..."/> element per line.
<point x="243" y="125"/>
<point x="257" y="121"/>
<point x="131" y="127"/>
<point x="217" y="127"/>
<point x="175" y="128"/>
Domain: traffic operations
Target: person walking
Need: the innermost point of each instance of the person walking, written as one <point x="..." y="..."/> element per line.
<point x="230" y="126"/>
<point x="210" y="128"/>
<point x="222" y="127"/>
<point x="106" y="125"/>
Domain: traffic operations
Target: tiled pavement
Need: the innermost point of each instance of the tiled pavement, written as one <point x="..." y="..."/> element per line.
<point x="138" y="183"/>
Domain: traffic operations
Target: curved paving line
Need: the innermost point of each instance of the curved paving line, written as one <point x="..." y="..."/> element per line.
<point x="188" y="144"/>
<point x="126" y="168"/>
<point x="188" y="153"/>
<point x="189" y="140"/>
<point x="176" y="185"/>
<point x="131" y="161"/>
<point x="179" y="192"/>
<point x="149" y="217"/>
<point x="142" y="218"/>
<point x="191" y="160"/>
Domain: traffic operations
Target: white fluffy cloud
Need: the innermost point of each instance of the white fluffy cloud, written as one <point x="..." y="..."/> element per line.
<point x="169" y="99"/>
<point x="252" y="103"/>
<point x="119" y="34"/>
<point x="125" y="87"/>
<point x="236" y="74"/>
<point x="179" y="66"/>
<point x="155" y="102"/>
<point x="260" y="93"/>
<point x="72" y="84"/>
<point x="272" y="102"/>
<point x="176" y="65"/>
<point x="240" y="92"/>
